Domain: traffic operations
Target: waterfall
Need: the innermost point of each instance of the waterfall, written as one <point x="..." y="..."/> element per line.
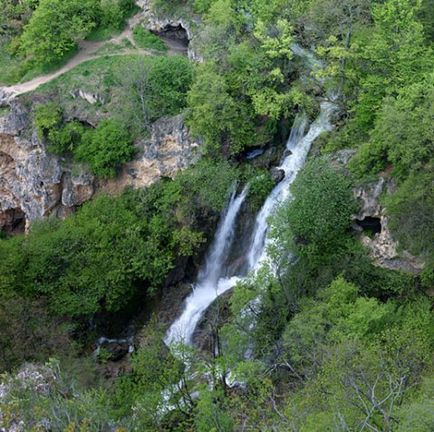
<point x="210" y="283"/>
<point x="298" y="147"/>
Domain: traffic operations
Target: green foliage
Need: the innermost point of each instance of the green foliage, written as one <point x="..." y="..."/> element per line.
<point x="403" y="133"/>
<point x="47" y="117"/>
<point x="210" y="413"/>
<point x="152" y="88"/>
<point x="260" y="186"/>
<point x="66" y="139"/>
<point x="392" y="55"/>
<point x="243" y="87"/>
<point x="56" y="27"/>
<point x="146" y="39"/>
<point x="114" y="13"/>
<point x="169" y="79"/>
<point x="316" y="221"/>
<point x="100" y="257"/>
<point x="106" y="148"/>
<point x="410" y="210"/>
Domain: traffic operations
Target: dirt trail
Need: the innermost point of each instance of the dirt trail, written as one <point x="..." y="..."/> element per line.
<point x="88" y="50"/>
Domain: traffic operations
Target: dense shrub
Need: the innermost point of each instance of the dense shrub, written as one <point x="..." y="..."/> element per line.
<point x="146" y="39"/>
<point x="318" y="218"/>
<point x="47" y="118"/>
<point x="106" y="148"/>
<point x="411" y="211"/>
<point x="65" y="139"/>
<point x="55" y="28"/>
<point x="403" y="133"/>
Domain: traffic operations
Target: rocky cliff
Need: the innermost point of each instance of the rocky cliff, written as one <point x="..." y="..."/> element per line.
<point x="35" y="183"/>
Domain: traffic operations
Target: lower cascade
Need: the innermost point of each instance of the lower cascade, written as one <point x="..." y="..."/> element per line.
<point x="210" y="283"/>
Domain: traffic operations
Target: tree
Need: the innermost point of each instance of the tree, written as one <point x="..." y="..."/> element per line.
<point x="314" y="223"/>
<point x="55" y="28"/>
<point x="152" y="88"/>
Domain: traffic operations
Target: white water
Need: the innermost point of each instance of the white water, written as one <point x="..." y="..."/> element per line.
<point x="299" y="144"/>
<point x="210" y="283"/>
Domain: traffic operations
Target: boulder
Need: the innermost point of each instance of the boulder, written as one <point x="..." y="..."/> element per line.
<point x="277" y="174"/>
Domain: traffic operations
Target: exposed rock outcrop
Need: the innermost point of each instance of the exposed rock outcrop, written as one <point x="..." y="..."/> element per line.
<point x="176" y="25"/>
<point x="91" y="98"/>
<point x="169" y="150"/>
<point x="35" y="183"/>
<point x="277" y="174"/>
<point x="383" y="248"/>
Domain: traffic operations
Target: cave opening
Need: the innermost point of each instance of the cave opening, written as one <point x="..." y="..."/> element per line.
<point x="175" y="35"/>
<point x="13" y="221"/>
<point x="370" y="224"/>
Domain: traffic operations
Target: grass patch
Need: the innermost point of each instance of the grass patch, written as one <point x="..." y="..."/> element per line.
<point x="102" y="34"/>
<point x="147" y="40"/>
<point x="11" y="68"/>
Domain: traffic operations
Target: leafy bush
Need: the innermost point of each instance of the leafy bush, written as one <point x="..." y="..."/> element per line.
<point x="47" y="117"/>
<point x="146" y="39"/>
<point x="55" y="28"/>
<point x="411" y="211"/>
<point x="260" y="186"/>
<point x="114" y="13"/>
<point x="106" y="148"/>
<point x="151" y="88"/>
<point x="403" y="134"/>
<point x="170" y="79"/>
<point x="65" y="139"/>
<point x="319" y="216"/>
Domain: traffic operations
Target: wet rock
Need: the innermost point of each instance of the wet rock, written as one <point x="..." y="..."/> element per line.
<point x="277" y="175"/>
<point x="117" y="350"/>
<point x="206" y="332"/>
<point x="253" y="154"/>
<point x="287" y="153"/>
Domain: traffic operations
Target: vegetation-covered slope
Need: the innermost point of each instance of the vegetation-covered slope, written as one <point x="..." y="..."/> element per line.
<point x="328" y="342"/>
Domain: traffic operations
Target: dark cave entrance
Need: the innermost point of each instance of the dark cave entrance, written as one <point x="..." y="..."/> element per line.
<point x="175" y="36"/>
<point x="370" y="224"/>
<point x="13" y="221"/>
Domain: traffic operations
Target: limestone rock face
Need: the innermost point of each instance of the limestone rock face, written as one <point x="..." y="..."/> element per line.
<point x="36" y="379"/>
<point x="6" y="97"/>
<point x="383" y="247"/>
<point x="169" y="149"/>
<point x="35" y="183"/>
<point x="159" y="25"/>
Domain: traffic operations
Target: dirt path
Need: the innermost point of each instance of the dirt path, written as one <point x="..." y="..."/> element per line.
<point x="88" y="50"/>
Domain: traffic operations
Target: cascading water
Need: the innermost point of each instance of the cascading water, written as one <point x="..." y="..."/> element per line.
<point x="299" y="145"/>
<point x="210" y="283"/>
